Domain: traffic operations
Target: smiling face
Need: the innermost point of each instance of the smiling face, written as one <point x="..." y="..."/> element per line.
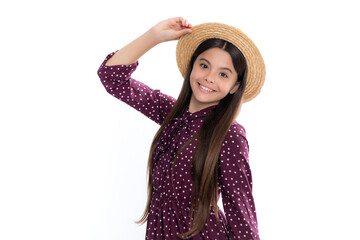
<point x="213" y="77"/>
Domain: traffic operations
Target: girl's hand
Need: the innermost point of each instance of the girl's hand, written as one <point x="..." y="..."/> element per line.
<point x="171" y="29"/>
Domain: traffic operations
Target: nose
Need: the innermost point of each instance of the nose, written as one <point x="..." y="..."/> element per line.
<point x="210" y="77"/>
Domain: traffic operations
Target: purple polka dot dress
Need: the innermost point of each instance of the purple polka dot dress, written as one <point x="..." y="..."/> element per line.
<point x="170" y="205"/>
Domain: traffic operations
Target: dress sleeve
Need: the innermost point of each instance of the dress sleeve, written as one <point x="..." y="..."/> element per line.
<point x="236" y="186"/>
<point x="118" y="82"/>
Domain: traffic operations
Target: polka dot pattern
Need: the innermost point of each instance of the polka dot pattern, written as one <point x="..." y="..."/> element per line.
<point x="170" y="204"/>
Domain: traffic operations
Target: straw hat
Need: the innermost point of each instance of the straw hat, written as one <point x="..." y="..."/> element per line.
<point x="255" y="63"/>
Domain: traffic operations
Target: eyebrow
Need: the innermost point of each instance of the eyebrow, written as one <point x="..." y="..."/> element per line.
<point x="225" y="68"/>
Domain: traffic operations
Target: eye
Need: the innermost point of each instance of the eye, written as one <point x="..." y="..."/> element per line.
<point x="203" y="65"/>
<point x="223" y="75"/>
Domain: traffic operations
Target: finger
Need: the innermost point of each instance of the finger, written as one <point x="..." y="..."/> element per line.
<point x="179" y="20"/>
<point x="183" y="22"/>
<point x="183" y="32"/>
<point x="186" y="23"/>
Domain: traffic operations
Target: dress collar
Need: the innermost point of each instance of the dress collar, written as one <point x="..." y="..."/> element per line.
<point x="198" y="114"/>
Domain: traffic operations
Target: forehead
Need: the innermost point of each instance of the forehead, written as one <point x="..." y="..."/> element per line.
<point x="217" y="57"/>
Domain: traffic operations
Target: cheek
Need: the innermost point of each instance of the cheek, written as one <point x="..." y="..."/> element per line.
<point x="225" y="89"/>
<point x="195" y="73"/>
<point x="193" y="77"/>
<point x="192" y="80"/>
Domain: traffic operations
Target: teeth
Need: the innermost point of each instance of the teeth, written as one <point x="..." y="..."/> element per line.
<point x="205" y="88"/>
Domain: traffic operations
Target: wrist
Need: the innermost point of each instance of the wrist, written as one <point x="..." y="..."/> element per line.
<point x="153" y="36"/>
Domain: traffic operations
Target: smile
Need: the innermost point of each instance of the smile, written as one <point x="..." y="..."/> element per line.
<point x="205" y="89"/>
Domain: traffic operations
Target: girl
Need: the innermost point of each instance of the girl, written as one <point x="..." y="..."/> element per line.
<point x="200" y="150"/>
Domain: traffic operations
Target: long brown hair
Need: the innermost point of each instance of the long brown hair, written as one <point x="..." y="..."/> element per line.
<point x="204" y="163"/>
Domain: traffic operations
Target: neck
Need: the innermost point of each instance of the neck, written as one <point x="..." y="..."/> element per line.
<point x="194" y="106"/>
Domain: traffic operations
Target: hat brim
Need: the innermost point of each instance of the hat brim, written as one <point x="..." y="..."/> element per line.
<point x="188" y="43"/>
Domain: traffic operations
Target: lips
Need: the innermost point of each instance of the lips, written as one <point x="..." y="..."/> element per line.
<point x="200" y="85"/>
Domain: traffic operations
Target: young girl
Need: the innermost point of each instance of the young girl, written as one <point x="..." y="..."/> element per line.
<point x="200" y="150"/>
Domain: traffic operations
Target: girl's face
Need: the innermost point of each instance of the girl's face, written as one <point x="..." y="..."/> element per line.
<point x="213" y="77"/>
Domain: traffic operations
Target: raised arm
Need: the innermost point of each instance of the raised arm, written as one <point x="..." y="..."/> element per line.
<point x="170" y="29"/>
<point x="115" y="71"/>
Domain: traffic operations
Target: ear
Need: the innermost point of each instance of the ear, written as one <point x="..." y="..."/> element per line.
<point x="235" y="88"/>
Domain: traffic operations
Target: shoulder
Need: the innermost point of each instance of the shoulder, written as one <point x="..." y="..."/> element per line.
<point x="237" y="128"/>
<point x="235" y="134"/>
<point x="235" y="143"/>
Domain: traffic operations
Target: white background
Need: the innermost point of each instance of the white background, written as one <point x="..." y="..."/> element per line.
<point x="73" y="158"/>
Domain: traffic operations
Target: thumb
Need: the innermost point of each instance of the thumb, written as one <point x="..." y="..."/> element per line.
<point x="182" y="32"/>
